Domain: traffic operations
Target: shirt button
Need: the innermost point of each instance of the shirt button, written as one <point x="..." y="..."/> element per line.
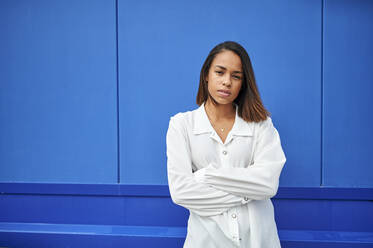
<point x="225" y="152"/>
<point x="234" y="216"/>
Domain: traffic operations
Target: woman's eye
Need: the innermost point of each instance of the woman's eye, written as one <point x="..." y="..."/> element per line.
<point x="219" y="72"/>
<point x="237" y="77"/>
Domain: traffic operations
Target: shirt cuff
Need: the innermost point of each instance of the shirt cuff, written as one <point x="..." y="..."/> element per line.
<point x="245" y="200"/>
<point x="200" y="175"/>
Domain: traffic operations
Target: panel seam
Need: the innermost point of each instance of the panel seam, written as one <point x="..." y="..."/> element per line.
<point x="117" y="75"/>
<point x="322" y="96"/>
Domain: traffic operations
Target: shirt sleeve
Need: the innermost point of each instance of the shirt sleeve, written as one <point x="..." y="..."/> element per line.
<point x="259" y="180"/>
<point x="185" y="188"/>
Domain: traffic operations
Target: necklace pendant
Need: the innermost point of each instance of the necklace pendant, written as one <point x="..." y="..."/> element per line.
<point x="222" y="129"/>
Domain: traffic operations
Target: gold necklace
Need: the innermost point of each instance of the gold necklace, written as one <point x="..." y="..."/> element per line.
<point x="213" y="124"/>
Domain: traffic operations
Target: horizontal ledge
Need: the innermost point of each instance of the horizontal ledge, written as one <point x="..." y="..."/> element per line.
<point x="325" y="236"/>
<point x="114" y="230"/>
<point x="317" y="193"/>
<point x="286" y="236"/>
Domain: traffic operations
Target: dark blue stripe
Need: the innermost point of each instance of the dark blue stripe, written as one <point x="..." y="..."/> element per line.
<point x="43" y="234"/>
<point x="162" y="191"/>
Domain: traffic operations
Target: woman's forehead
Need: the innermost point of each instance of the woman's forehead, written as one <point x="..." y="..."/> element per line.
<point x="228" y="60"/>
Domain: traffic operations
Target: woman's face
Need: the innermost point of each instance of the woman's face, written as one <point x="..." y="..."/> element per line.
<point x="224" y="78"/>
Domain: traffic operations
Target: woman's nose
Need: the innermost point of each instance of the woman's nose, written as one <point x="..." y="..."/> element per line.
<point x="227" y="81"/>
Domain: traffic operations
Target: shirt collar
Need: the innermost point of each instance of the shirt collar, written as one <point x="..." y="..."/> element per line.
<point x="201" y="123"/>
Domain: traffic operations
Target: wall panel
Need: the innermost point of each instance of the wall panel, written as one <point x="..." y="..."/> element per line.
<point x="162" y="46"/>
<point x="348" y="93"/>
<point x="58" y="91"/>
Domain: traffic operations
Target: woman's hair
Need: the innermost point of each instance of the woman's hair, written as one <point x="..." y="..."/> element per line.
<point x="250" y="106"/>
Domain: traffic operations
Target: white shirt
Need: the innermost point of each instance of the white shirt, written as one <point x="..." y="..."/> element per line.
<point x="225" y="186"/>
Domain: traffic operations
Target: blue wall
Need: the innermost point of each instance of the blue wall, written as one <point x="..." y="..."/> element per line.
<point x="162" y="47"/>
<point x="87" y="88"/>
<point x="58" y="91"/>
<point x="348" y="94"/>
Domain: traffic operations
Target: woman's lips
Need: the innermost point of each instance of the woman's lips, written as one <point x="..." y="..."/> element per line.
<point x="224" y="93"/>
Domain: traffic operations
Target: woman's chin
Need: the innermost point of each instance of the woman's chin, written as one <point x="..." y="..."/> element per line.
<point x="223" y="101"/>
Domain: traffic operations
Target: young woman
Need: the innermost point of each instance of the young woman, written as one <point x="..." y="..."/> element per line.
<point x="224" y="158"/>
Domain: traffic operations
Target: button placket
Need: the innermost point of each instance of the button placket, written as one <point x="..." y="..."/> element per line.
<point x="224" y="155"/>
<point x="232" y="213"/>
<point x="233" y="220"/>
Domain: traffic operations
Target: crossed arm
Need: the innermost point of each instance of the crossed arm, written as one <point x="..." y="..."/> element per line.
<point x="211" y="191"/>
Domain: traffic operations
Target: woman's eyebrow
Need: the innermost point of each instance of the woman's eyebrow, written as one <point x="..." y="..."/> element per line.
<point x="222" y="67"/>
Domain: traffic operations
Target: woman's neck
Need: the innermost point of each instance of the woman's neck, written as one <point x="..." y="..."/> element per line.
<point x="220" y="111"/>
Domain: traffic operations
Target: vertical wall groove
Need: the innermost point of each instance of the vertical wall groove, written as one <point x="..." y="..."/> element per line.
<point x="117" y="71"/>
<point x="322" y="96"/>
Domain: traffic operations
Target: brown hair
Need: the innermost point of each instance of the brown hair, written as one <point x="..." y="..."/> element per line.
<point x="250" y="106"/>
